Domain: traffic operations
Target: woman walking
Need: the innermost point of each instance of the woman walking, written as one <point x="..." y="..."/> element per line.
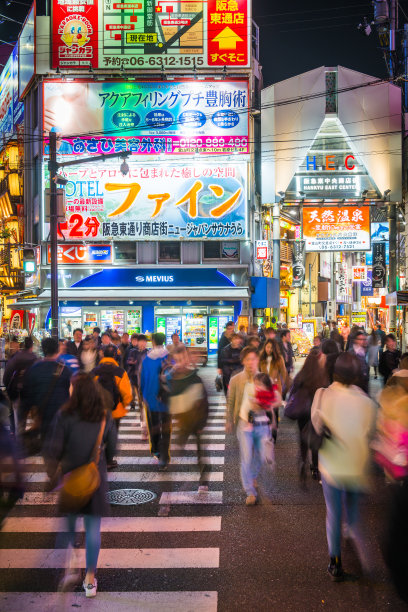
<point x="310" y="378"/>
<point x="373" y="352"/>
<point x="80" y="424"/>
<point x="347" y="415"/>
<point x="272" y="363"/>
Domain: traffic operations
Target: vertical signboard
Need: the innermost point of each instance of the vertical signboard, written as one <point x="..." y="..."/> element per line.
<point x="367" y="285"/>
<point x="379" y="266"/>
<point x="74" y="33"/>
<point x="228" y="31"/>
<point x="342" y="282"/>
<point x="26" y="52"/>
<point x="298" y="263"/>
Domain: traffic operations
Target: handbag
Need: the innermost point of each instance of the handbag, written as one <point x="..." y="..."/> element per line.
<point x="80" y="484"/>
<point x="31" y="438"/>
<point x="310" y="436"/>
<point x="392" y="455"/>
<point x="218" y="383"/>
<point x="298" y="405"/>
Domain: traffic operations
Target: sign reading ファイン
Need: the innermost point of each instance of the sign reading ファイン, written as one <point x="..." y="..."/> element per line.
<point x="150" y="34"/>
<point x="336" y="229"/>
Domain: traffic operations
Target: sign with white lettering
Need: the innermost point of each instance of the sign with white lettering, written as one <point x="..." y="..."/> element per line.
<point x="262" y="249"/>
<point x="336" y="229"/>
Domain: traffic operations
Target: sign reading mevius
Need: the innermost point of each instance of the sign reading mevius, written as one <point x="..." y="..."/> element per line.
<point x="150" y="33"/>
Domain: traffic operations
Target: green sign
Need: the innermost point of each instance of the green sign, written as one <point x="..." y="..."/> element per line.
<point x="161" y="325"/>
<point x="213" y="332"/>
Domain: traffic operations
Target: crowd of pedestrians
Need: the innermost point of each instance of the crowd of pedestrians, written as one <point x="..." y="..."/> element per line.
<point x="68" y="406"/>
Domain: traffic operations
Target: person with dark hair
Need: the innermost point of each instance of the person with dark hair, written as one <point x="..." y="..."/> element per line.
<point x="347" y="415"/>
<point x="96" y="336"/>
<point x="399" y="378"/>
<point x="224" y="341"/>
<point x="45" y="386"/>
<point x="124" y="348"/>
<point x="67" y="359"/>
<point x="335" y="334"/>
<point x="311" y="377"/>
<point x="74" y="347"/>
<point x="358" y="348"/>
<point x="287" y="350"/>
<point x="272" y="363"/>
<point x="331" y="350"/>
<point x="75" y="433"/>
<point x="389" y="359"/>
<point x="254" y="342"/>
<point x="251" y="436"/>
<point x="230" y="360"/>
<point x="114" y="379"/>
<point x="155" y="400"/>
<point x="134" y="367"/>
<point x="373" y="351"/>
<point x="381" y="335"/>
<point x="13" y="381"/>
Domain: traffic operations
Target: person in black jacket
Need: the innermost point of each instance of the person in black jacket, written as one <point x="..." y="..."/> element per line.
<point x="75" y="346"/>
<point x="231" y="360"/>
<point x="287" y="350"/>
<point x="46" y="386"/>
<point x="389" y="359"/>
<point x="224" y="340"/>
<point x="13" y="381"/>
<point x="358" y="348"/>
<point x="71" y="445"/>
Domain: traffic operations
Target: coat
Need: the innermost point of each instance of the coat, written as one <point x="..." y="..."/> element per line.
<point x="389" y="361"/>
<point x="71" y="444"/>
<point x="236" y="394"/>
<point x="122" y="384"/>
<point x="224" y="341"/>
<point x="277" y="371"/>
<point x="150" y="378"/>
<point x="18" y="364"/>
<point x="230" y="362"/>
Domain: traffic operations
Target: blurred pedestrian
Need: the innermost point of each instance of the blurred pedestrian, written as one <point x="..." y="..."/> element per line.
<point x="389" y="358"/>
<point x="381" y="335"/>
<point x="124" y="348"/>
<point x="345" y="337"/>
<point x="82" y="427"/>
<point x="96" y="336"/>
<point x="13" y="378"/>
<point x="74" y="347"/>
<point x="272" y="363"/>
<point x="155" y="400"/>
<point x="45" y="388"/>
<point x="373" y="351"/>
<point x="335" y="334"/>
<point x="67" y="359"/>
<point x="358" y="348"/>
<point x="11" y="474"/>
<point x="134" y="367"/>
<point x="347" y="416"/>
<point x="317" y="342"/>
<point x="254" y="342"/>
<point x="325" y="331"/>
<point x="287" y="350"/>
<point x="224" y="341"/>
<point x="89" y="355"/>
<point x="230" y="360"/>
<point x="331" y="350"/>
<point x="311" y="377"/>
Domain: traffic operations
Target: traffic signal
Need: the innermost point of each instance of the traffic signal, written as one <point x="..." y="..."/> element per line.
<point x="29" y="261"/>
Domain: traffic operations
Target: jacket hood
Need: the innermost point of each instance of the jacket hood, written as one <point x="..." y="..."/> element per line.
<point x="157" y="352"/>
<point x="108" y="360"/>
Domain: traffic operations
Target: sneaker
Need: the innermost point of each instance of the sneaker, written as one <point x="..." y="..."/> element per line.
<point x="203" y="489"/>
<point x="90" y="589"/>
<point x="112" y="465"/>
<point x="315" y="473"/>
<point x="250" y="500"/>
<point x="335" y="569"/>
<point x="162" y="466"/>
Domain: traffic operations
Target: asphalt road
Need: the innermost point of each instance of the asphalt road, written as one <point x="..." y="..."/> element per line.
<point x="211" y="552"/>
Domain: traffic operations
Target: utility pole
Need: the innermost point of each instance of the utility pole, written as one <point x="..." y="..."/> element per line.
<point x="276" y="247"/>
<point x="53" y="167"/>
<point x="392" y="268"/>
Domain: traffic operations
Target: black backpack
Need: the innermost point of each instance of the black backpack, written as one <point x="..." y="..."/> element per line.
<point x="106" y="378"/>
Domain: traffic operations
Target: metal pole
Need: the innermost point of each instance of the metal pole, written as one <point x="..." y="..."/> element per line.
<point x="392" y="269"/>
<point x="393" y="28"/>
<point x="276" y="249"/>
<point x="53" y="167"/>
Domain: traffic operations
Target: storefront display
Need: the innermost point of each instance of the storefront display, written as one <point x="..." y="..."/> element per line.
<point x="134" y="321"/>
<point x="194" y="327"/>
<point x="173" y="326"/>
<point x="301" y="340"/>
<point x="70" y="319"/>
<point x="90" y="319"/>
<point x="309" y="327"/>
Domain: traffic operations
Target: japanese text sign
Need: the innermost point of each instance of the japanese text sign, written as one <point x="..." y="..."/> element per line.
<point x="336" y="229"/>
<point x="342" y="292"/>
<point x="82" y="253"/>
<point x="159" y="202"/>
<point x="262" y="249"/>
<point x="379" y="266"/>
<point x="367" y="285"/>
<point x="228" y="32"/>
<point x="298" y="263"/>
<point x="147" y="118"/>
<point x="359" y="273"/>
<point x="151" y="34"/>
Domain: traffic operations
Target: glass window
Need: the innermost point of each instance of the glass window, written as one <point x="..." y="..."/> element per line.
<point x="212" y="249"/>
<point x="125" y="251"/>
<point x="169" y="251"/>
<point x="230" y="250"/>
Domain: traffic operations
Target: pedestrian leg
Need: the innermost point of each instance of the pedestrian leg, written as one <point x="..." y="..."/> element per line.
<point x="165" y="435"/>
<point x="245" y="440"/>
<point x="333" y="499"/>
<point x="153" y="428"/>
<point x="353" y="529"/>
<point x="92" y="544"/>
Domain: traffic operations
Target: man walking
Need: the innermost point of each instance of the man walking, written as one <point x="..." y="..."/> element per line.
<point x="224" y="341"/>
<point x="389" y="359"/>
<point x="231" y="360"/>
<point x="158" y="418"/>
<point x="13" y="378"/>
<point x="74" y="347"/>
<point x="358" y="348"/>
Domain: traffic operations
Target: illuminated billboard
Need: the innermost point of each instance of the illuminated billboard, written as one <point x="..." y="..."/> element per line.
<point x="336" y="229"/>
<point x="147" y="118"/>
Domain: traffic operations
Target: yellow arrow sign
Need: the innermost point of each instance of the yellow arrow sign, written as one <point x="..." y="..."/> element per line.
<point x="227" y="39"/>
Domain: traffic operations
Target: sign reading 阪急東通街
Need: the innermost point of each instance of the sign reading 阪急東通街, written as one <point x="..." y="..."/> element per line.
<point x="336" y="229"/>
<point x="150" y="34"/>
<point x="154" y="201"/>
<point x="149" y="118"/>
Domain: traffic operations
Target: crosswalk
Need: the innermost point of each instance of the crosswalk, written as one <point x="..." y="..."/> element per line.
<point x="138" y="543"/>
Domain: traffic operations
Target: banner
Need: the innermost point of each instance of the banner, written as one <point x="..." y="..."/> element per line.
<point x="159" y="202"/>
<point x="16" y="319"/>
<point x="11" y="110"/>
<point x="74" y="34"/>
<point x="359" y="273"/>
<point x="31" y="322"/>
<point x="149" y="118"/>
<point x="342" y="290"/>
<point x="298" y="263"/>
<point x="82" y="254"/>
<point x="367" y="285"/>
<point x="228" y="33"/>
<point x="336" y="229"/>
<point x="379" y="266"/>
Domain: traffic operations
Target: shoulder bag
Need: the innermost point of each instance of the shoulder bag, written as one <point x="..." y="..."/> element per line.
<point x="310" y="436"/>
<point x="80" y="484"/>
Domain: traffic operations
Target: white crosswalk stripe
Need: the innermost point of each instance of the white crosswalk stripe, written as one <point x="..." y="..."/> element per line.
<point x="193" y="512"/>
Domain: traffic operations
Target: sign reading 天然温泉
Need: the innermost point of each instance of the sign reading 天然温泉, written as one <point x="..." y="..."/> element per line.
<point x="147" y="118"/>
<point x="150" y="34"/>
<point x="336" y="229"/>
<point x="154" y="201"/>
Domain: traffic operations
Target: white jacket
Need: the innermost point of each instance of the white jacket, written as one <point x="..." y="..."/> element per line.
<point x="349" y="414"/>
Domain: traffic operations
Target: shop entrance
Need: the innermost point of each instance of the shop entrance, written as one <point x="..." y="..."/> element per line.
<point x="120" y="319"/>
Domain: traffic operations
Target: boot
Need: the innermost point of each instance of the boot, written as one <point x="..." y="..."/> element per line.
<point x="335" y="569"/>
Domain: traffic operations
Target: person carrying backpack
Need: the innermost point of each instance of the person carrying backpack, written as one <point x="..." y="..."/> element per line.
<point x="155" y="397"/>
<point x="115" y="381"/>
<point x="13" y="381"/>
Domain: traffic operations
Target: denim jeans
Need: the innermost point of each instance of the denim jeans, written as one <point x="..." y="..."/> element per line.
<point x="92" y="525"/>
<point x="252" y="451"/>
<point x="334" y="499"/>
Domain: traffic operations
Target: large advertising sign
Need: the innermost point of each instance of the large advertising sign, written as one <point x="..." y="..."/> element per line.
<point x="26" y="52"/>
<point x="11" y="110"/>
<point x="82" y="254"/>
<point x="379" y="273"/>
<point x="342" y="288"/>
<point x="147" y="118"/>
<point x="336" y="229"/>
<point x="298" y="263"/>
<point x="151" y="34"/>
<point x="158" y="202"/>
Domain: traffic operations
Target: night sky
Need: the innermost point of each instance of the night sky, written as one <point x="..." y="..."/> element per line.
<point x="295" y="36"/>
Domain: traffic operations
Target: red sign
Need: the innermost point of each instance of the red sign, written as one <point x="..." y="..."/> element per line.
<point x="16" y="319"/>
<point x="31" y="322"/>
<point x="82" y="254"/>
<point x="262" y="249"/>
<point x="74" y="33"/>
<point x="228" y="32"/>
